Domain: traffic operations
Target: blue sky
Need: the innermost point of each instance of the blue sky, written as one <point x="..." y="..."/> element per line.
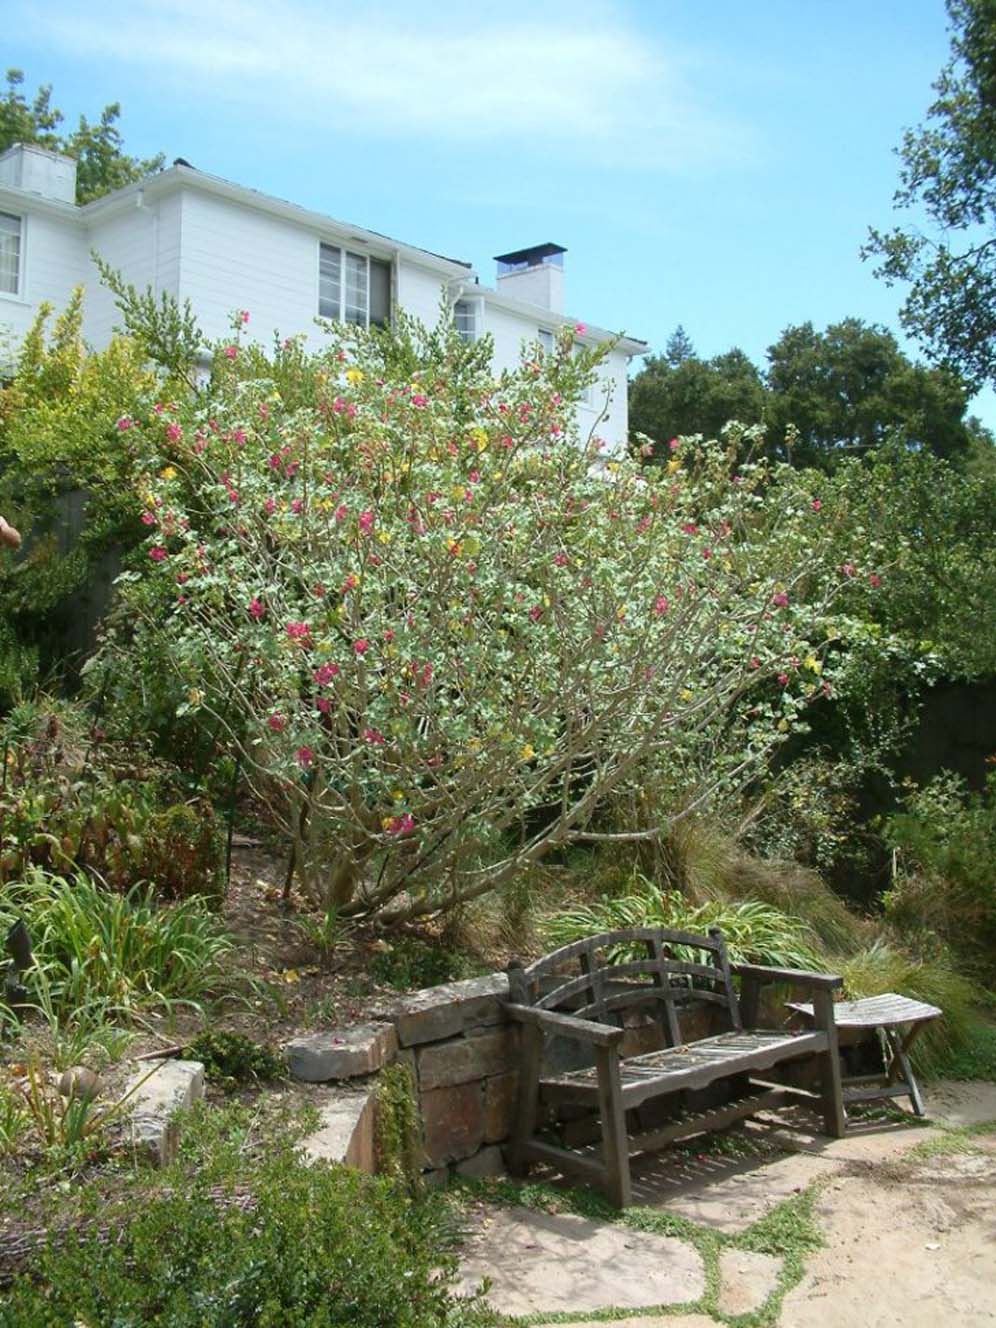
<point x="714" y="163"/>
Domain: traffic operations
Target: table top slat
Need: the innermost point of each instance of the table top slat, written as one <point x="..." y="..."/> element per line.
<point x="876" y="1011"/>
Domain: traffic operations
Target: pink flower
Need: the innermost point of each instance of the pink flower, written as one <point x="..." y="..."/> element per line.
<point x="157" y="553"/>
<point x="690" y="528"/>
<point x="673" y="444"/>
<point x="257" y="609"/>
<point x="148" y="519"/>
<point x="275" y="461"/>
<point x="244" y="315"/>
<point x="304" y="757"/>
<point x="707" y="554"/>
<point x="277" y="723"/>
<point x="419" y="399"/>
<point x="297" y="506"/>
<point x="580" y="329"/>
<point x="270" y="506"/>
<point x="366" y="522"/>
<point x="816" y="504"/>
<point x="361" y="646"/>
<point x="341" y="512"/>
<point x="125" y="422"/>
<point x="401" y="825"/>
<point x="299" y="631"/>
<point x="173" y="432"/>
<point x="389" y="635"/>
<point x="231" y="352"/>
<point x="374" y="737"/>
<point x="783" y="678"/>
<point x="323" y="704"/>
<point x="560" y="560"/>
<point x="848" y="569"/>
<point x="780" y="599"/>
<point x="755" y="663"/>
<point x="661" y="605"/>
<point x="324" y="675"/>
<point x="874" y="580"/>
<point x="536" y="612"/>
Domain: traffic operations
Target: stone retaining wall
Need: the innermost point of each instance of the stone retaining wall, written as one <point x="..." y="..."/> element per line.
<point x="462" y="1052"/>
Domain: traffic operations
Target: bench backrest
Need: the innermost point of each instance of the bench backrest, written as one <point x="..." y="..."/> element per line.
<point x="604" y="976"/>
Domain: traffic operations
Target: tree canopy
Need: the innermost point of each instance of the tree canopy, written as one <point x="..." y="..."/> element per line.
<point x="844" y="391"/>
<point x="101" y="163"/>
<point x="948" y="178"/>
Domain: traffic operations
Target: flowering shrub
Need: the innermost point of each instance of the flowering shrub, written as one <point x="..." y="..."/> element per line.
<point x="439" y="627"/>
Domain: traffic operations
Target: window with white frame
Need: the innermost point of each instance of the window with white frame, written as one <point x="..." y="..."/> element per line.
<point x="465" y="320"/>
<point x="546" y="339"/>
<point x="353" y="288"/>
<point x="11" y="232"/>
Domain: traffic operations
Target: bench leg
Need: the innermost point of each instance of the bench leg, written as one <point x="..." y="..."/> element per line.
<point x="615" y="1145"/>
<point x="527" y="1100"/>
<point x="834" y="1121"/>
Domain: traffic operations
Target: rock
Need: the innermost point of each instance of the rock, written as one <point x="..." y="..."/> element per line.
<point x="444" y="1012"/>
<point x="746" y="1280"/>
<point x="488" y="1162"/>
<point x="341" y="1053"/>
<point x="156" y="1098"/>
<point x="453" y="1123"/>
<point x="346" y="1132"/>
<point x="81" y="1082"/>
<point x="464" y="1058"/>
<point x="544" y="1263"/>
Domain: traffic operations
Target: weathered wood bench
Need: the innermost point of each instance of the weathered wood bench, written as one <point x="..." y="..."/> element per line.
<point x="584" y="993"/>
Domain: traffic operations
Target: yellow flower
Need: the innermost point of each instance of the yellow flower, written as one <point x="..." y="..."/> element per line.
<point x="528" y="752"/>
<point x="387" y="822"/>
<point x="474" y="745"/>
<point x="354" y="375"/>
<point x="686" y="695"/>
<point x="783" y="726"/>
<point x="397" y="795"/>
<point x="812" y="663"/>
<point x="195" y="696"/>
<point x="169" y="473"/>
<point x="673" y="466"/>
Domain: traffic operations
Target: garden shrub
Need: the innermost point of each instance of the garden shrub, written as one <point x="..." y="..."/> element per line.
<point x="70" y="797"/>
<point x="439" y="630"/>
<point x="64" y="461"/>
<point x="945" y="879"/>
<point x="232" y="1059"/>
<point x="314" y="1245"/>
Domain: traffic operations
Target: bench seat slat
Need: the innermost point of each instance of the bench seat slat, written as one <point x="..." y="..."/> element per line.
<point x="693" y="1066"/>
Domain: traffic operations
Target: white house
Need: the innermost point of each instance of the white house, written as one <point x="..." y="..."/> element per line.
<point x="225" y="247"/>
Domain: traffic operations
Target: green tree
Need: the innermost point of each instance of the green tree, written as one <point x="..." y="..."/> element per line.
<point x="848" y="389"/>
<point x="948" y="174"/>
<point x="102" y="165"/>
<point x="677" y="394"/>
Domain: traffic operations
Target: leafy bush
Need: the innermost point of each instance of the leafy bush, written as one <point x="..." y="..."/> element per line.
<point x="945" y="881"/>
<point x="70" y="797"/>
<point x="437" y="630"/>
<point x="407" y="962"/>
<point x="294" y="1244"/>
<point x="231" y="1059"/>
<point x="125" y="953"/>
<point x="754" y="932"/>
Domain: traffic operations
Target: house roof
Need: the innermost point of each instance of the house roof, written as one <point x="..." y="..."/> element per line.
<point x="185" y="176"/>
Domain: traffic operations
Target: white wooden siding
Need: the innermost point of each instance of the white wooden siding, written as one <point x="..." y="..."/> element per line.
<point x="53" y="259"/>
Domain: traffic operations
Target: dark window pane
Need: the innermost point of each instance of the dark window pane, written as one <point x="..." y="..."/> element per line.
<point x="380" y="293"/>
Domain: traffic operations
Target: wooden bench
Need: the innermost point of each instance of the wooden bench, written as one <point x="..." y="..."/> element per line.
<point x="584" y="992"/>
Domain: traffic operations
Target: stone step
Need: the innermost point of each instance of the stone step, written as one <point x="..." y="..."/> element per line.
<point x="156" y="1097"/>
<point x="345" y="1133"/>
<point x="341" y="1053"/>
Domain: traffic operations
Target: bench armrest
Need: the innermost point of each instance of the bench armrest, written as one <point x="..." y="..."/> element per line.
<point x="798" y="977"/>
<point x="582" y="1030"/>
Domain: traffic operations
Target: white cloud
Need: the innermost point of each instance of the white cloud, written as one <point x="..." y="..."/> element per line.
<point x="572" y="76"/>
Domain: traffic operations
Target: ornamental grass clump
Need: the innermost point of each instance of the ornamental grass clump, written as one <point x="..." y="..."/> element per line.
<point x="439" y="628"/>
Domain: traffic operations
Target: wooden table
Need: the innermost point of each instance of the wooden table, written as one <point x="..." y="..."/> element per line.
<point x="897" y="1020"/>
